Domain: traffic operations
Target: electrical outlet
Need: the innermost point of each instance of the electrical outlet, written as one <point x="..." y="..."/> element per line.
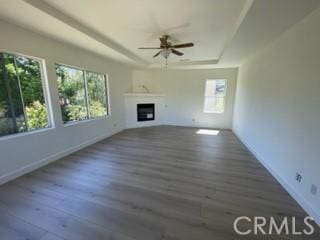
<point x="114" y="125"/>
<point x="298" y="177"/>
<point x="193" y="120"/>
<point x="314" y="189"/>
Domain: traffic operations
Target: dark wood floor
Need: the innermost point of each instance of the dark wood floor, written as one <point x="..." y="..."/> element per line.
<point x="158" y="183"/>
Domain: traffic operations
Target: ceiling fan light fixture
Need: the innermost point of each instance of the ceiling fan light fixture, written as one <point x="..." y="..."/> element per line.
<point x="165" y="53"/>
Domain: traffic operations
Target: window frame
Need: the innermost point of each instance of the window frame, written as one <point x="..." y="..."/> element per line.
<point x="89" y="118"/>
<point x="46" y="95"/>
<point x="224" y="97"/>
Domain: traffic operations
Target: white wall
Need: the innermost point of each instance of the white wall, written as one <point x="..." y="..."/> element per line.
<point x="22" y="153"/>
<point x="184" y="91"/>
<point x="277" y="109"/>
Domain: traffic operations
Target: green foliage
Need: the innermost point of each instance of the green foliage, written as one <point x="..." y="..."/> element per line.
<point x="5" y="126"/>
<point x="21" y="93"/>
<point x="37" y="115"/>
<point x="11" y="86"/>
<point x="30" y="79"/>
<point x="97" y="109"/>
<point x="75" y="112"/>
<point x="96" y="85"/>
<point x="71" y="93"/>
<point x="71" y="86"/>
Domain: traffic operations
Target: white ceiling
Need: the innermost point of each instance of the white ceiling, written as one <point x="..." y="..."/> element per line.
<point x="136" y="23"/>
<point x="224" y="32"/>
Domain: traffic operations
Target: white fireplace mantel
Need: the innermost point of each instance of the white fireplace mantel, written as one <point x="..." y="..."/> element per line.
<point x="136" y="94"/>
<point x="131" y="101"/>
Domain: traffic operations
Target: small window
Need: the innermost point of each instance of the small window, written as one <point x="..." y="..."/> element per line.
<point x="214" y="96"/>
<point x="82" y="94"/>
<point x="22" y="97"/>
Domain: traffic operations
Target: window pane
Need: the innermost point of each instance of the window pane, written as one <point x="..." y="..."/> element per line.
<point x="210" y="88"/>
<point x="22" y="102"/>
<point x="13" y="118"/>
<point x="32" y="92"/>
<point x="214" y="96"/>
<point x="209" y="104"/>
<point x="215" y="88"/>
<point x="7" y="123"/>
<point x="220" y="87"/>
<point x="72" y="96"/>
<point x="214" y="104"/>
<point x="97" y="98"/>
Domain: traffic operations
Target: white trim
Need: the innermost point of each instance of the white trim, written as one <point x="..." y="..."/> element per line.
<point x="128" y="94"/>
<point x="301" y="200"/>
<point x="4" y="50"/>
<point x="46" y="91"/>
<point x="76" y="122"/>
<point x="35" y="165"/>
<point x="106" y="77"/>
<point x="22" y="134"/>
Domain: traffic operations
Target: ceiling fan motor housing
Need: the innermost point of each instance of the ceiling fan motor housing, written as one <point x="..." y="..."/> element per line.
<point x="166" y="47"/>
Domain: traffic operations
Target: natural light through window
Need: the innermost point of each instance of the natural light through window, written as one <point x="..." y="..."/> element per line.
<point x="214" y="96"/>
<point x="208" y="132"/>
<point x="82" y="93"/>
<point x="23" y="105"/>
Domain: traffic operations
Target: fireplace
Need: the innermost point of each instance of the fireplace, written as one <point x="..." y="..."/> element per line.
<point x="145" y="112"/>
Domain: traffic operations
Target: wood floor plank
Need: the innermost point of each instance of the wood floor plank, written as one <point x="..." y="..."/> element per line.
<point x="50" y="236"/>
<point x="43" y="215"/>
<point x="161" y="183"/>
<point x="12" y="228"/>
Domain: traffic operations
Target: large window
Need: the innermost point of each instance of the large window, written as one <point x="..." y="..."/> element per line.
<point x="82" y="94"/>
<point x="214" y="96"/>
<point x="22" y="98"/>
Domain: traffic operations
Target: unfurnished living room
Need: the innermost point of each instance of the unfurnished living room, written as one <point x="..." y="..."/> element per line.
<point x="159" y="120"/>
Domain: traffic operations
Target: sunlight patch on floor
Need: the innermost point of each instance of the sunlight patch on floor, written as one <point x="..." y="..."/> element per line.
<point x="208" y="132"/>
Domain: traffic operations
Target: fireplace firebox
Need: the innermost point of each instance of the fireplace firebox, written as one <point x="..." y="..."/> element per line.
<point x="145" y="112"/>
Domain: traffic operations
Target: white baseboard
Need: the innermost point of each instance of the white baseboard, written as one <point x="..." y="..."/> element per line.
<point x="194" y="125"/>
<point x="40" y="163"/>
<point x="296" y="195"/>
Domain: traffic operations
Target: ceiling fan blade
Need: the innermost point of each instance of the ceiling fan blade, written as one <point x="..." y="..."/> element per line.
<point x="149" y="48"/>
<point x="176" y="52"/>
<point x="157" y="54"/>
<point x="183" y="45"/>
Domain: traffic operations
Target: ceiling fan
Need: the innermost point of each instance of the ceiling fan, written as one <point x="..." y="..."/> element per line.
<point x="166" y="47"/>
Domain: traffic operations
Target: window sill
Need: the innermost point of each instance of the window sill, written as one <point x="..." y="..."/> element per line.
<point x="23" y="134"/>
<point x="85" y="121"/>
